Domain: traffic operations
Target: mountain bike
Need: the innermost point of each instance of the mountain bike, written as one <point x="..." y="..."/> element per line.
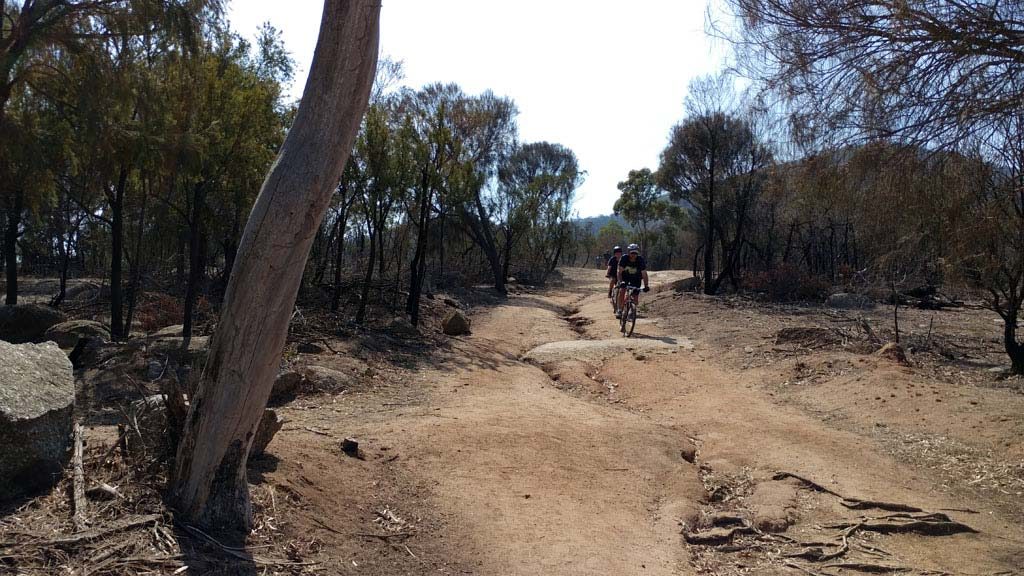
<point x="628" y="320"/>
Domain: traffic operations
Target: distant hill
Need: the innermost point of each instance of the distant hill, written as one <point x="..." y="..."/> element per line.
<point x="598" y="222"/>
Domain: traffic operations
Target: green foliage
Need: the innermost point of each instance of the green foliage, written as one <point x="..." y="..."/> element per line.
<point x="137" y="134"/>
<point x="612" y="234"/>
<point x="641" y="202"/>
<point x="715" y="163"/>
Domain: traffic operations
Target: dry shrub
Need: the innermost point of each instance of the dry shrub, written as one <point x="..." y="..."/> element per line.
<point x="157" y="310"/>
<point x="787" y="283"/>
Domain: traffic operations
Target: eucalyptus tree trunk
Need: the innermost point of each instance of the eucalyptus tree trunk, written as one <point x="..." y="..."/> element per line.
<point x="208" y="485"/>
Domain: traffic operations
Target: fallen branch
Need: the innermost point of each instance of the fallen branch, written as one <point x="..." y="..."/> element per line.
<point x="716" y="536"/>
<point x="104" y="491"/>
<point x="865" y="567"/>
<point x="78" y="483"/>
<point x="90" y="534"/>
<point x="384" y="537"/>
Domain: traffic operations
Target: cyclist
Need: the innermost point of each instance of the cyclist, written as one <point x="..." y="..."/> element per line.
<point x="632" y="270"/>
<point x="612" y="271"/>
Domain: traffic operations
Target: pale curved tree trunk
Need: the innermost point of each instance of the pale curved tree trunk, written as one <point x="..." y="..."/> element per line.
<point x="209" y="485"/>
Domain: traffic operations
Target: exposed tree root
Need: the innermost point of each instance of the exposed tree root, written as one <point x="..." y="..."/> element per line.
<point x="840" y="553"/>
<point x="78" y="483"/>
<point x="927" y="524"/>
<point x="875" y="504"/>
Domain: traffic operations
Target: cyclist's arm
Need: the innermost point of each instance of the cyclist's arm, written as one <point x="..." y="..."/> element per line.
<point x="618" y="275"/>
<point x="646" y="282"/>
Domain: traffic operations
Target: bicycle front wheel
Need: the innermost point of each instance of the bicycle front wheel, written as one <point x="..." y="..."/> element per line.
<point x="632" y="319"/>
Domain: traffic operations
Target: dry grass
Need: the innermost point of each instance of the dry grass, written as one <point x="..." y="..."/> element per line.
<point x="134" y="532"/>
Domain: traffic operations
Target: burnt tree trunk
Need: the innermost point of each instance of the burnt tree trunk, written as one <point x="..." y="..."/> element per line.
<point x="710" y="282"/>
<point x="364" y="296"/>
<point x="479" y="227"/>
<point x="418" y="267"/>
<point x="339" y="254"/>
<point x="116" y="198"/>
<point x="1014" y="349"/>
<point x="209" y="484"/>
<point x="196" y="260"/>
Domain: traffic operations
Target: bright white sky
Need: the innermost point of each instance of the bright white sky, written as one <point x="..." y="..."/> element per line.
<point x="605" y="78"/>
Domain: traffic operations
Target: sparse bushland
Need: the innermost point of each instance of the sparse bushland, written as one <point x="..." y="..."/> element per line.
<point x="875" y="150"/>
<point x="135" y="139"/>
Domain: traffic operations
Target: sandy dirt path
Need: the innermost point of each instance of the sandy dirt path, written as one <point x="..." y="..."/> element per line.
<point x="569" y="459"/>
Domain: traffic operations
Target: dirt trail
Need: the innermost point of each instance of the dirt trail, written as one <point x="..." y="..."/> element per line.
<point x="569" y="461"/>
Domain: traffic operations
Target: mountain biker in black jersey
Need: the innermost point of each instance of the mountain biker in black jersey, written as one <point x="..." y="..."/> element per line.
<point x="632" y="270"/>
<point x="612" y="271"/>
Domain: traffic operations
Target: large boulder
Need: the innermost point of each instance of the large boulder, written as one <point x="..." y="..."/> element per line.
<point x="27" y="322"/>
<point x="37" y="397"/>
<point x="848" y="301"/>
<point x="455" y="324"/>
<point x="321" y="379"/>
<point x="286" y="387"/>
<point x="169" y="331"/>
<point x="86" y="290"/>
<point x="67" y="334"/>
<point x="172" y="347"/>
<point x="401" y="326"/>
